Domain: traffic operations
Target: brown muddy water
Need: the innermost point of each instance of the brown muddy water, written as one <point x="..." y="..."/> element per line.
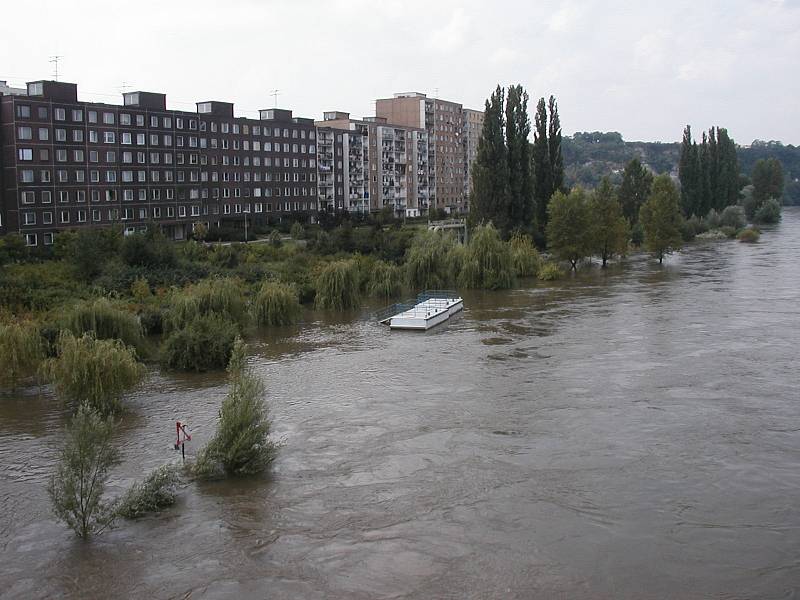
<point x="633" y="433"/>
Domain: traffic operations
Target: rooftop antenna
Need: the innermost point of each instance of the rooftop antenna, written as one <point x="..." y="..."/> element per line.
<point x="274" y="94"/>
<point x="54" y="59"/>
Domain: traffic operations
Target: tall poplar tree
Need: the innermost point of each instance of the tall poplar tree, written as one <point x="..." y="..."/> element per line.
<point x="490" y="181"/>
<point x="554" y="146"/>
<point x="635" y="189"/>
<point x="689" y="173"/>
<point x="542" y="167"/>
<point x="518" y="127"/>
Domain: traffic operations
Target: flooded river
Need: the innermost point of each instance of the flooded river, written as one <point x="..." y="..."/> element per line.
<point x="633" y="433"/>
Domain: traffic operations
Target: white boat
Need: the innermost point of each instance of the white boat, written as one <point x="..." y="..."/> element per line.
<point x="430" y="309"/>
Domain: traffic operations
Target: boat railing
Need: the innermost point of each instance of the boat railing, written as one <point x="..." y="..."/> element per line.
<point x="387" y="313"/>
<point x="436" y="295"/>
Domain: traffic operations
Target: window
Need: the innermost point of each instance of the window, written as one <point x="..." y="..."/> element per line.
<point x="59" y="114"/>
<point x="42" y="112"/>
<point x="80" y="196"/>
<point x="30" y="239"/>
<point x="140" y="120"/>
<point x="61" y="155"/>
<point x="95" y="215"/>
<point x="77" y="115"/>
<point x="63" y="196"/>
<point x="80" y="175"/>
<point x="28" y="197"/>
<point x="61" y="135"/>
<point x="47" y="218"/>
<point x="24" y="133"/>
<point x="64" y="216"/>
<point x="81" y="216"/>
<point x="45" y="176"/>
<point x="126" y="138"/>
<point x="29" y="218"/>
<point x="26" y="154"/>
<point x="23" y="111"/>
<point x="108" y="118"/>
<point x="26" y="176"/>
<point x="92" y="114"/>
<point x="44" y="154"/>
<point x="181" y="211"/>
<point x="127" y="195"/>
<point x="77" y="155"/>
<point x="77" y="135"/>
<point x="46" y="197"/>
<point x="124" y="119"/>
<point x="111" y="176"/>
<point x="108" y="136"/>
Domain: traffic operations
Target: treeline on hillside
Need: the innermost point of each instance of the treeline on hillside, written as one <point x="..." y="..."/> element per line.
<point x="589" y="156"/>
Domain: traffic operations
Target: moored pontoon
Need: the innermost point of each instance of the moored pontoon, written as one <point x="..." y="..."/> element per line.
<point x="430" y="308"/>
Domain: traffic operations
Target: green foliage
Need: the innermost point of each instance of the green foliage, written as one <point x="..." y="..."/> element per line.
<point x="432" y="261"/>
<point x="241" y="444"/>
<point x="157" y="491"/>
<point x="712" y="220"/>
<point x="222" y="296"/>
<point x="637" y="181"/>
<point x="151" y="249"/>
<point x="296" y="231"/>
<point x="202" y="344"/>
<point x="275" y="239"/>
<point x="21" y="352"/>
<point x="93" y="372"/>
<point x="39" y="286"/>
<point x="709" y="173"/>
<point x="76" y="488"/>
<point x="88" y="249"/>
<point x="733" y="216"/>
<point x="637" y="234"/>
<point x="140" y="289"/>
<point x="749" y="236"/>
<point x="487" y="263"/>
<point x="12" y="248"/>
<point x="520" y="212"/>
<point x="385" y="281"/>
<point x="543" y="186"/>
<point x="338" y="286"/>
<point x="550" y="271"/>
<point x="104" y="321"/>
<point x="608" y="230"/>
<point x="770" y="212"/>
<point x="768" y="180"/>
<point x="661" y="218"/>
<point x="524" y="256"/>
<point x="569" y="225"/>
<point x="276" y="304"/>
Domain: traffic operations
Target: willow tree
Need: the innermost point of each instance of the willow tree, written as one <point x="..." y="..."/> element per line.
<point x="487" y="261"/>
<point x="338" y="286"/>
<point x="524" y="256"/>
<point x="21" y="352"/>
<point x="432" y="261"/>
<point x="76" y="488"/>
<point x="104" y="321"/>
<point x="241" y="444"/>
<point x="276" y="304"/>
<point x="661" y="218"/>
<point x="93" y="372"/>
<point x="220" y="296"/>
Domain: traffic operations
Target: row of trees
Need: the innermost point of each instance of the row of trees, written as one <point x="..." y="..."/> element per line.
<point x="709" y="172"/>
<point x="513" y="180"/>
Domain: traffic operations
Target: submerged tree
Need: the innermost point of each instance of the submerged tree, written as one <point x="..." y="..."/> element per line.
<point x="637" y="182"/>
<point x="609" y="229"/>
<point x="338" y="286"/>
<point x="524" y="256"/>
<point x="76" y="488"/>
<point x="21" y="352"/>
<point x="432" y="261"/>
<point x="93" y="372"/>
<point x="661" y="218"/>
<point x="276" y="304"/>
<point x="241" y="444"/>
<point x="487" y="261"/>
<point x="569" y="225"/>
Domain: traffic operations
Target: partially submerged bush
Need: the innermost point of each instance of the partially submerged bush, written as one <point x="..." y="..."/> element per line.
<point x="749" y="236"/>
<point x="733" y="216"/>
<point x="385" y="280"/>
<point x="21" y="352"/>
<point x="487" y="263"/>
<point x="157" y="491"/>
<point x="524" y="256"/>
<point x="202" y="344"/>
<point x="93" y="372"/>
<point x="431" y="261"/>
<point x="104" y="321"/>
<point x="218" y="296"/>
<point x="550" y="271"/>
<point x="241" y="445"/>
<point x="712" y="220"/>
<point x="276" y="304"/>
<point x="769" y="212"/>
<point x="338" y="285"/>
<point x="76" y="488"/>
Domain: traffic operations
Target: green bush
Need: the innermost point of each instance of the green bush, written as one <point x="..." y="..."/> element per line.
<point x="524" y="256"/>
<point x="21" y="352"/>
<point x="296" y="231"/>
<point x="431" y="261"/>
<point x="338" y="285"/>
<point x="733" y="216"/>
<point x="550" y="271"/>
<point x="104" y="321"/>
<point x="275" y="304"/>
<point x="275" y="239"/>
<point x="729" y="232"/>
<point x="487" y="263"/>
<point x="712" y="220"/>
<point x="202" y="344"/>
<point x="157" y="491"/>
<point x="151" y="249"/>
<point x="218" y="296"/>
<point x="637" y="235"/>
<point x="93" y="372"/>
<point x="241" y="445"/>
<point x="385" y="280"/>
<point x="749" y="236"/>
<point x="769" y="212"/>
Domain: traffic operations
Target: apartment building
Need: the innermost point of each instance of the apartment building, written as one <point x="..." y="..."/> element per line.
<point x="396" y="161"/>
<point x="473" y="126"/>
<point x="444" y="122"/>
<point x="342" y="167"/>
<point x="67" y="164"/>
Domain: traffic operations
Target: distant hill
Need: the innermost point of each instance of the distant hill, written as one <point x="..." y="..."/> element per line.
<point x="588" y="156"/>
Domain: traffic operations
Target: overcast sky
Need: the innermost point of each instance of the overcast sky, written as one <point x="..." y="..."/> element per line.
<point x="644" y="69"/>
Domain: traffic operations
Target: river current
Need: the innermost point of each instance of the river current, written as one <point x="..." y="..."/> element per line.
<point x="627" y="433"/>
